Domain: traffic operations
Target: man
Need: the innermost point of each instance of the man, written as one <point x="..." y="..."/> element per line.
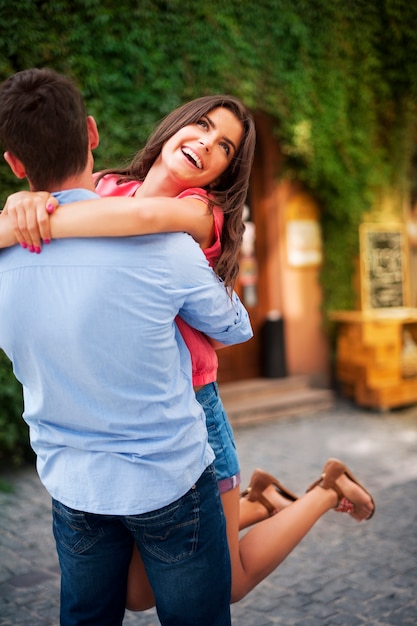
<point x="121" y="442"/>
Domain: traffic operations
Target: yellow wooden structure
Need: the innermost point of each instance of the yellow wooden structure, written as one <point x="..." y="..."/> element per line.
<point x="376" y="362"/>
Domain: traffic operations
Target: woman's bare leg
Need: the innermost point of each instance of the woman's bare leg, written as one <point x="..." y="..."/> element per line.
<point x="139" y="592"/>
<point x="139" y="596"/>
<point x="268" y="543"/>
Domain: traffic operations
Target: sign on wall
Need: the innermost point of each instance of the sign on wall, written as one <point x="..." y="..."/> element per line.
<point x="303" y="232"/>
<point x="384" y="267"/>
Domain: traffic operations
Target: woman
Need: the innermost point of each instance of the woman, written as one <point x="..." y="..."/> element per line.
<point x="193" y="176"/>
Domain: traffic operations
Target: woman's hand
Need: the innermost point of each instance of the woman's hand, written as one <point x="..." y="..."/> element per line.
<point x="29" y="213"/>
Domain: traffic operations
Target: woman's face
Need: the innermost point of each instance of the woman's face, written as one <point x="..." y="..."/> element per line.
<point x="199" y="153"/>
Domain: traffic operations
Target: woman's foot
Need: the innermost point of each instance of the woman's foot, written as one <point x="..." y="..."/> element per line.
<point x="360" y="500"/>
<point x="352" y="497"/>
<point x="267" y="492"/>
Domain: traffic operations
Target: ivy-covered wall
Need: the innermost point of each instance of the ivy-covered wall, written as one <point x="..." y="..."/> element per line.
<point x="338" y="78"/>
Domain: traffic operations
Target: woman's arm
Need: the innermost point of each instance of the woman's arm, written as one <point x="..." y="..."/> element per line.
<point x="105" y="217"/>
<point x="118" y="217"/>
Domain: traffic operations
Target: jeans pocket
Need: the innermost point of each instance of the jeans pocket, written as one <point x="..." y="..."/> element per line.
<point x="72" y="529"/>
<point x="172" y="535"/>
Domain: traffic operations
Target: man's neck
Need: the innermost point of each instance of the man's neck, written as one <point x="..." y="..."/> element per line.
<point x="81" y="181"/>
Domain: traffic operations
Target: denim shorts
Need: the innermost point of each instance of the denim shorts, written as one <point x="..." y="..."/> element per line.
<point x="220" y="436"/>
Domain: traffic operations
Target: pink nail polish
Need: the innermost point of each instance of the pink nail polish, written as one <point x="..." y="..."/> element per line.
<point x="31" y="248"/>
<point x="50" y="208"/>
<point x="23" y="244"/>
<point x="46" y="241"/>
<point x="37" y="249"/>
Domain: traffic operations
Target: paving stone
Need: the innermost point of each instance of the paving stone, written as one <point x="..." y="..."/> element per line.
<point x="342" y="574"/>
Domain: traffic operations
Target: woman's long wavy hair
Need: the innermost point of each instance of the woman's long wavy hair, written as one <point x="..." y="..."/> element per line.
<point x="230" y="189"/>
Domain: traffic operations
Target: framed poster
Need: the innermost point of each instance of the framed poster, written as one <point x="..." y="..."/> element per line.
<point x="384" y="266"/>
<point x="303" y="243"/>
<point x="303" y="232"/>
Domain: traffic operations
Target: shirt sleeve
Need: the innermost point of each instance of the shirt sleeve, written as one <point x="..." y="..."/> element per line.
<point x="201" y="297"/>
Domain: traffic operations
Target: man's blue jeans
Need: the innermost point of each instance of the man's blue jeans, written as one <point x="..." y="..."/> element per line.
<point x="184" y="549"/>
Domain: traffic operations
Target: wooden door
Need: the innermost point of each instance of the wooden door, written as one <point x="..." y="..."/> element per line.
<point x="242" y="361"/>
<point x="258" y="284"/>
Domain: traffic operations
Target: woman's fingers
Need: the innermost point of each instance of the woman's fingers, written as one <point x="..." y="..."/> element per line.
<point x="29" y="213"/>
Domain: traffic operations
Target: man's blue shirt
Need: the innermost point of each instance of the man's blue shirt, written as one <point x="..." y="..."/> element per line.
<point x="89" y="327"/>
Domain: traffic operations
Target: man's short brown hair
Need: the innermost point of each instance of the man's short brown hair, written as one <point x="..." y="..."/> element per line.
<point x="43" y="123"/>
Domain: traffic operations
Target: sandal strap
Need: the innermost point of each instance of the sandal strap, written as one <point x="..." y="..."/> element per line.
<point x="259" y="498"/>
<point x="267" y="504"/>
<point x="331" y="484"/>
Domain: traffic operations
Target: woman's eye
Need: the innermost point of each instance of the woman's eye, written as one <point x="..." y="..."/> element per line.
<point x="202" y="123"/>
<point x="225" y="147"/>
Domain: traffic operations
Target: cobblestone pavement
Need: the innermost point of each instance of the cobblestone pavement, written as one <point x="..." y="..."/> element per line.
<point x="343" y="573"/>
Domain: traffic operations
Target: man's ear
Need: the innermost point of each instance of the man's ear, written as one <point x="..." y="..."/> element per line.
<point x="93" y="135"/>
<point x="15" y="165"/>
